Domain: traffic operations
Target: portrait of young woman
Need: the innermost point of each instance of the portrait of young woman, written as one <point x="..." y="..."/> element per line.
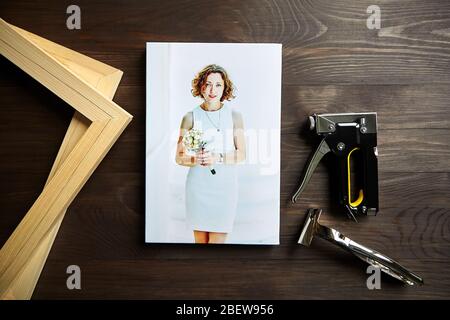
<point x="213" y="143"/>
<point x="212" y="194"/>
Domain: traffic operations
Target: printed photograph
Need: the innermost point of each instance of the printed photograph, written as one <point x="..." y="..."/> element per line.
<point x="213" y="119"/>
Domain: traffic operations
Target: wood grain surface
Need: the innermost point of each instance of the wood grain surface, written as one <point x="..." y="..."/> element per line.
<point x="331" y="63"/>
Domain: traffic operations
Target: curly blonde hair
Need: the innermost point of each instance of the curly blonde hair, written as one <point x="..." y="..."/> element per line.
<point x="200" y="80"/>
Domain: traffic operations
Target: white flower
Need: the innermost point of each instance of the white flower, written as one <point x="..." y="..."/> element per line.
<point x="193" y="140"/>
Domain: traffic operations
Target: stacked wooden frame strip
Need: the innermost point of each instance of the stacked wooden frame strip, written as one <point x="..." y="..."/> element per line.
<point x="88" y="86"/>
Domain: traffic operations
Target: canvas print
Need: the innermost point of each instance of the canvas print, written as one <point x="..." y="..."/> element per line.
<point x="213" y="143"/>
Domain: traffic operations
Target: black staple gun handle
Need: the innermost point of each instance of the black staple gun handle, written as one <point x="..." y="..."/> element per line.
<point x="347" y="135"/>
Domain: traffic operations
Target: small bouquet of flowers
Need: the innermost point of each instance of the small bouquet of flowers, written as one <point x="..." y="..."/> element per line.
<point x="193" y="142"/>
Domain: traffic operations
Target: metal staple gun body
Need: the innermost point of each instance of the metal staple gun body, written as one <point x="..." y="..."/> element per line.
<point x="343" y="135"/>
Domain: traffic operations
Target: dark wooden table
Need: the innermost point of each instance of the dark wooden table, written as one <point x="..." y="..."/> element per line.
<point x="331" y="63"/>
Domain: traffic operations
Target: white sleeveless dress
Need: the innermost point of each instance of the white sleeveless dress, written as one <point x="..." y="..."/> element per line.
<point x="211" y="200"/>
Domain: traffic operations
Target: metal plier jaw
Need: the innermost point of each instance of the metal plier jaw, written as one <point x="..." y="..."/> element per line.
<point x="346" y="135"/>
<point x="313" y="228"/>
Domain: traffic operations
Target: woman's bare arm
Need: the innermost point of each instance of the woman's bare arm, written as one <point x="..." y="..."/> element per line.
<point x="239" y="154"/>
<point x="181" y="157"/>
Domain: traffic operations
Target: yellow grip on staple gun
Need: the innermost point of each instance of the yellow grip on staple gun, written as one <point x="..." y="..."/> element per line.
<point x="358" y="201"/>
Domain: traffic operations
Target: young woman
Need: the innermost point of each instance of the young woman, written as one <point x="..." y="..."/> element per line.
<point x="211" y="199"/>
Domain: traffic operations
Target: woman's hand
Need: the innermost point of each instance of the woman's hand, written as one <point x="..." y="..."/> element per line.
<point x="205" y="158"/>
